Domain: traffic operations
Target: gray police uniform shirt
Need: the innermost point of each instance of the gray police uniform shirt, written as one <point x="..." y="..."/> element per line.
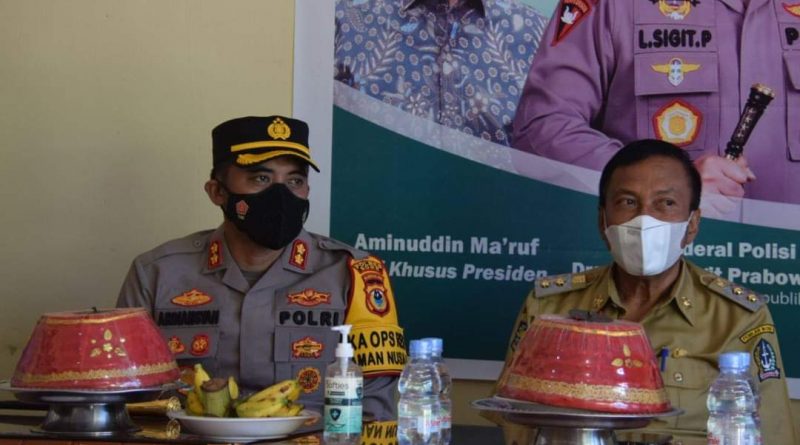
<point x="280" y="328"/>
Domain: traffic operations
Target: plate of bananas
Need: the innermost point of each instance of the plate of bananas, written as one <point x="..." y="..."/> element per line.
<point x="215" y="410"/>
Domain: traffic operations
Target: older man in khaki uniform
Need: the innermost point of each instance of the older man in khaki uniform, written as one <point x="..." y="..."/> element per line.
<point x="649" y="200"/>
<point x="257" y="297"/>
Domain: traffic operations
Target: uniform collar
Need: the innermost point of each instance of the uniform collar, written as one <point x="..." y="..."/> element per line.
<point x="480" y="5"/>
<point x="738" y="5"/>
<point x="680" y="297"/>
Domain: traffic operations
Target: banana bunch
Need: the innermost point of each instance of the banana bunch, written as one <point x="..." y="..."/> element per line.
<point x="220" y="398"/>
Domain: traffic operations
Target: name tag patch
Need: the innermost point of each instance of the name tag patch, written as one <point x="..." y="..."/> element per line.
<point x="188" y="318"/>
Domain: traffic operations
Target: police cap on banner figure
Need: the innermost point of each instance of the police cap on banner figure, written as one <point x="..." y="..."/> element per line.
<point x="648" y="211"/>
<point x="256" y="297"/>
<point x="611" y="72"/>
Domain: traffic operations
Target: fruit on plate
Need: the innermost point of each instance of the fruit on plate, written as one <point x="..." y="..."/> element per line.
<point x="217" y="397"/>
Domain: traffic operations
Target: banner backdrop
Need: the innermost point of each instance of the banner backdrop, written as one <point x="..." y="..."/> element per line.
<point x="466" y="225"/>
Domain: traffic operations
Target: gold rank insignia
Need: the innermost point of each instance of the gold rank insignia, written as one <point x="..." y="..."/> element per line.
<point x="675" y="70"/>
<point x="307" y="347"/>
<point x="676" y="9"/>
<point x="309" y="379"/>
<point x="793" y="9"/>
<point x="278" y="129"/>
<point x="214" y="254"/>
<point x="299" y="254"/>
<point x="192" y="298"/>
<point x="677" y="122"/>
<point x="309" y="298"/>
<point x="176" y="345"/>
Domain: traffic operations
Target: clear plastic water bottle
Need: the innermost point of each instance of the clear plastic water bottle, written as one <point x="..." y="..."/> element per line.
<point x="446" y="385"/>
<point x="731" y="405"/>
<point x="418" y="409"/>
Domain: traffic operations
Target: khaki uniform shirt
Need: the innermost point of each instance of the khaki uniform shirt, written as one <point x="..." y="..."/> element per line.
<point x="280" y="328"/>
<point x="703" y="317"/>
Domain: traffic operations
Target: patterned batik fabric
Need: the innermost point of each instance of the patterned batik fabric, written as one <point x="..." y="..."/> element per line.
<point x="462" y="65"/>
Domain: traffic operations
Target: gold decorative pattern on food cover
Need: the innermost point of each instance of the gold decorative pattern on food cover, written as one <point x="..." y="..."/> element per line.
<point x="108" y="347"/>
<point x="71" y="321"/>
<point x="583" y="391"/>
<point x="94" y="374"/>
<point x="626" y="362"/>
<point x="583" y="330"/>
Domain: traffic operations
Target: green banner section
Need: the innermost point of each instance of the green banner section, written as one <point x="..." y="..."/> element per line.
<point x="463" y="242"/>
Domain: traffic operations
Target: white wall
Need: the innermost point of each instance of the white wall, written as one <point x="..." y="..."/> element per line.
<point x="106" y="109"/>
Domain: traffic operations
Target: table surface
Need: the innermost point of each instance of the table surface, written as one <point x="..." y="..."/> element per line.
<point x="16" y="427"/>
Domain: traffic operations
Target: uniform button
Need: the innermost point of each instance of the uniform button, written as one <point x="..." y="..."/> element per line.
<point x="560" y="281"/>
<point x="738" y="290"/>
<point x="544" y="283"/>
<point x="720" y="283"/>
<point x="678" y="377"/>
<point x="197" y="243"/>
<point x="752" y="298"/>
<point x="687" y="303"/>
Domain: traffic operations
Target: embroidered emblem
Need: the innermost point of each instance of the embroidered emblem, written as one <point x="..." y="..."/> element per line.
<point x="176" y="345"/>
<point x="299" y="254"/>
<point x="192" y="298"/>
<point x="755" y="332"/>
<point x="677" y="122"/>
<point x="767" y="361"/>
<point x="371" y="272"/>
<point x="214" y="254"/>
<point x="200" y="344"/>
<point x="793" y="9"/>
<point x="675" y="9"/>
<point x="571" y="13"/>
<point x="309" y="298"/>
<point x="309" y="379"/>
<point x="307" y="347"/>
<point x="279" y="130"/>
<point x="241" y="209"/>
<point x="675" y="70"/>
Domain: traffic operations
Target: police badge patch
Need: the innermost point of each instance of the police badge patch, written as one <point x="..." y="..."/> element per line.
<point x="767" y="361"/>
<point x="571" y="13"/>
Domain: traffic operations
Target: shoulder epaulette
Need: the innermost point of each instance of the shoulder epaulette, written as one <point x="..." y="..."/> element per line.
<point x="326" y="243"/>
<point x="193" y="243"/>
<point x="749" y="299"/>
<point x="557" y="284"/>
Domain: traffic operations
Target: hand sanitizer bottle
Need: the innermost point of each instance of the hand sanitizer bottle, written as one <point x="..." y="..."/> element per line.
<point x="344" y="385"/>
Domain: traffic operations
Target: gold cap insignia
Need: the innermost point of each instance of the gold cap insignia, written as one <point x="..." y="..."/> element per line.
<point x="279" y="130"/>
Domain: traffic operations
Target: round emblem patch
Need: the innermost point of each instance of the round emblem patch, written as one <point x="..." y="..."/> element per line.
<point x="677" y="123"/>
<point x="200" y="344"/>
<point x="309" y="379"/>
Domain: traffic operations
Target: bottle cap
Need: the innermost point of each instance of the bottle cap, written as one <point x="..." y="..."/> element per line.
<point x="344" y="348"/>
<point x="437" y="345"/>
<point x="418" y="348"/>
<point x="734" y="360"/>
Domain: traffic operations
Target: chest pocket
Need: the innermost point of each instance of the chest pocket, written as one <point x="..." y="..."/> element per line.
<point x="191" y="332"/>
<point x="792" y="61"/>
<point x="304" y="343"/>
<point x="677" y="98"/>
<point x="686" y="380"/>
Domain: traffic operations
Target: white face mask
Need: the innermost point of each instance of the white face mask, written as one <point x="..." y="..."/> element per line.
<point x="646" y="246"/>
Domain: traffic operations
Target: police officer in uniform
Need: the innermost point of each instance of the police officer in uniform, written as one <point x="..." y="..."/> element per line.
<point x="691" y="316"/>
<point x="256" y="297"/>
<point x="614" y="71"/>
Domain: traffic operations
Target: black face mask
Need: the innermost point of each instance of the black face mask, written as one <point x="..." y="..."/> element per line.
<point x="271" y="218"/>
